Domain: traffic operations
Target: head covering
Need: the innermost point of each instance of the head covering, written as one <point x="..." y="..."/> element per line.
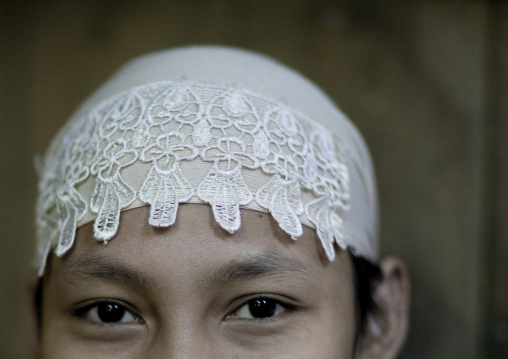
<point x="214" y="125"/>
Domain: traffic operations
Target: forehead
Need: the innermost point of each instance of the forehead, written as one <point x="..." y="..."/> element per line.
<point x="196" y="246"/>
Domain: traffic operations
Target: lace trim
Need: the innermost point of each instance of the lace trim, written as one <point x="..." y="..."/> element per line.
<point x="167" y="124"/>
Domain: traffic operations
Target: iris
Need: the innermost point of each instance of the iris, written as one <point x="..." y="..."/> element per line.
<point x="110" y="312"/>
<point x="263" y="308"/>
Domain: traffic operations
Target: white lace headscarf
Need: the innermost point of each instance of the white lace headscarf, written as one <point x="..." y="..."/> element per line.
<point x="214" y="125"/>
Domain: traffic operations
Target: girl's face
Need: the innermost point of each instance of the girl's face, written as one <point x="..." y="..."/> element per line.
<point x="196" y="291"/>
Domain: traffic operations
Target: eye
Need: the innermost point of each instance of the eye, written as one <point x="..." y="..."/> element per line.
<point x="260" y="308"/>
<point x="107" y="312"/>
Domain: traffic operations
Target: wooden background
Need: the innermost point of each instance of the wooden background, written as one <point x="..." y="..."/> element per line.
<point x="426" y="82"/>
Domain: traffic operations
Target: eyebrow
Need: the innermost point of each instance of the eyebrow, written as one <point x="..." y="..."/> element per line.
<point x="102" y="268"/>
<point x="265" y="264"/>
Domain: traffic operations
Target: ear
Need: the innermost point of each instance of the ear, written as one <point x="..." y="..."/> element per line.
<point x="387" y="325"/>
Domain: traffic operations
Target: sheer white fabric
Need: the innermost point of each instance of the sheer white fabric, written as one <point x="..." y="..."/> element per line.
<point x="166" y="143"/>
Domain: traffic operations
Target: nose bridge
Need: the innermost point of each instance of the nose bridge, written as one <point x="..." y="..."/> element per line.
<point x="184" y="338"/>
<point x="187" y="343"/>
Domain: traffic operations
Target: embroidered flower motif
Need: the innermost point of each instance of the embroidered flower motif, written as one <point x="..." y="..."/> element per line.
<point x="338" y="230"/>
<point x="167" y="151"/>
<point x="70" y="205"/>
<point x="141" y="135"/>
<point x="323" y="146"/>
<point x="224" y="187"/>
<point x="177" y="98"/>
<point x="235" y="104"/>
<point x="72" y="208"/>
<point x="289" y="142"/>
<point x="285" y="130"/>
<point x="310" y="168"/>
<point x="331" y="179"/>
<point x="201" y="135"/>
<point x="225" y="191"/>
<point x="176" y="102"/>
<point x="282" y="198"/>
<point x="115" y="156"/>
<point x="261" y="145"/>
<point x="165" y="186"/>
<point x="164" y="191"/>
<point x="123" y="114"/>
<point x="111" y="193"/>
<point x="318" y="212"/>
<point x="229" y="152"/>
<point x="287" y="122"/>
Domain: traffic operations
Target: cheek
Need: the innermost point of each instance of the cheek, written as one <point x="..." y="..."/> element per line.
<point x="334" y="331"/>
<point x="327" y="333"/>
<point x="63" y="347"/>
<point x="58" y="341"/>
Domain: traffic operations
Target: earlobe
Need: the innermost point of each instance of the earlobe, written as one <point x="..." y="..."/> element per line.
<point x="387" y="325"/>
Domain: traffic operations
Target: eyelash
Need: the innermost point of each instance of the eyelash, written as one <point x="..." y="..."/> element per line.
<point x="85" y="312"/>
<point x="282" y="309"/>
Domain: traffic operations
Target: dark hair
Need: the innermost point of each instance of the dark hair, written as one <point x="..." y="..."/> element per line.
<point x="37" y="304"/>
<point x="367" y="276"/>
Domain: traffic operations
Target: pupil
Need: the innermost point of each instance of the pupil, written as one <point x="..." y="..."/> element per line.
<point x="110" y="312"/>
<point x="262" y="308"/>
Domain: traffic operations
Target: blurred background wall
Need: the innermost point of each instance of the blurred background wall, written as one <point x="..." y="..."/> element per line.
<point x="426" y="82"/>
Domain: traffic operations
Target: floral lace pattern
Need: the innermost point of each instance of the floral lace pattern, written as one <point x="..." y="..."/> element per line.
<point x="167" y="124"/>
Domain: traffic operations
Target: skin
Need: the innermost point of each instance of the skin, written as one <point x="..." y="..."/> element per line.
<point x="186" y="292"/>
